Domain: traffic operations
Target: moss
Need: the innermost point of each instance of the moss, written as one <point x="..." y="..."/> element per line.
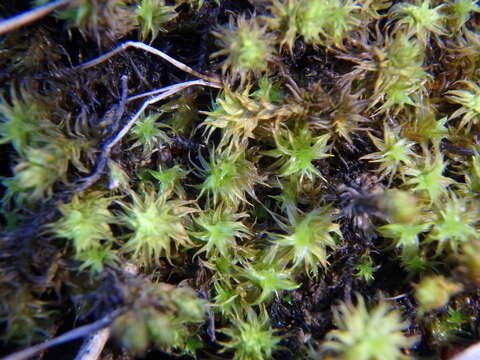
<point x="368" y="334"/>
<point x="333" y="151"/>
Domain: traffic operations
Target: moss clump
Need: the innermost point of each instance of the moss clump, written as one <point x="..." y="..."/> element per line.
<point x="368" y="334"/>
<point x="329" y="154"/>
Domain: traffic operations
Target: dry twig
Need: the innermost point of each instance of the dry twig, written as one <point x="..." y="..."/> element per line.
<point x="79" y="332"/>
<point x="30" y="16"/>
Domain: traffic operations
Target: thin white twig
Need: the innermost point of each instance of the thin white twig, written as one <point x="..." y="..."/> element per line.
<point x="213" y="82"/>
<point x="401" y="296"/>
<point x="159" y="95"/>
<point x="172" y="89"/>
<point x="167" y="88"/>
<point x="93" y="345"/>
<point x="79" y="332"/>
<point x="30" y="16"/>
<point x="107" y="148"/>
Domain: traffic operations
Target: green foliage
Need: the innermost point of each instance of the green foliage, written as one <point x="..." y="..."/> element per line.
<point x="152" y="15"/>
<point x="327" y="22"/>
<point x="236" y="115"/>
<point x="270" y="279"/>
<point x="320" y="23"/>
<point x="220" y="229"/>
<point x="118" y="178"/>
<point x="395" y="68"/>
<point x="243" y="115"/>
<point x="401" y="75"/>
<point x="21" y="122"/>
<point x="82" y="15"/>
<point x="394" y="152"/>
<point x="415" y="263"/>
<point x="148" y="133"/>
<point x="461" y="10"/>
<point x="85" y="221"/>
<point x="448" y="328"/>
<point x="405" y="236"/>
<point x="365" y="269"/>
<point x="156" y="222"/>
<point x="247" y="46"/>
<point x="434" y="292"/>
<point x="360" y="115"/>
<point x="226" y="300"/>
<point x="469" y="99"/>
<point x="109" y="17"/>
<point x="419" y="19"/>
<point x="252" y="339"/>
<point x="454" y="225"/>
<point x="428" y="178"/>
<point x="170" y="180"/>
<point x="400" y="206"/>
<point x="162" y="315"/>
<point x="424" y="128"/>
<point x="288" y="198"/>
<point x="284" y="20"/>
<point x="309" y="238"/>
<point x="364" y="334"/>
<point x="296" y="152"/>
<point x="95" y="258"/>
<point x="36" y="173"/>
<point x="473" y="174"/>
<point x="228" y="178"/>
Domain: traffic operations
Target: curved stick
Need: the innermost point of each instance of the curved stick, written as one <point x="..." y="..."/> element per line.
<point x="79" y="332"/>
<point x="107" y="147"/>
<point x="170" y="87"/>
<point x="30" y="16"/>
<point x="213" y="82"/>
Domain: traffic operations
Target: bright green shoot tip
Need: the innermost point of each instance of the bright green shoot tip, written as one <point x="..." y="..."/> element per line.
<point x="309" y="238"/>
<point x="170" y="180"/>
<point x="156" y="223"/>
<point x="394" y="152"/>
<point x="405" y="236"/>
<point x="251" y="339"/>
<point x="469" y="99"/>
<point x="148" y="133"/>
<point x="364" y="334"/>
<point x="228" y="178"/>
<point x="249" y="48"/>
<point x="434" y="292"/>
<point x="219" y="230"/>
<point x="328" y="21"/>
<point x="429" y="179"/>
<point x="270" y="279"/>
<point x="455" y="225"/>
<point x="152" y="15"/>
<point x="36" y="174"/>
<point x="20" y="123"/>
<point x="297" y="151"/>
<point x="85" y="221"/>
<point x="95" y="259"/>
<point x="365" y="269"/>
<point x="461" y="10"/>
<point x="419" y="19"/>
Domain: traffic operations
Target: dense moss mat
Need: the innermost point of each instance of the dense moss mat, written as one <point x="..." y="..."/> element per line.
<point x="315" y="196"/>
